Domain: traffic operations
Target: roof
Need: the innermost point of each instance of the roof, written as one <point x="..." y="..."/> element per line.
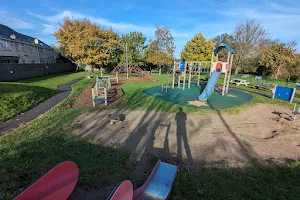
<point x="6" y="32"/>
<point x="221" y="46"/>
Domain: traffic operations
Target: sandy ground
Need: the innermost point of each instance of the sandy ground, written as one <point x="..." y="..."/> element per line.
<point x="256" y="134"/>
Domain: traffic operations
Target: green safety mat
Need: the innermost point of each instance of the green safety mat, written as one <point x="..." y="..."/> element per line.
<point x="189" y="97"/>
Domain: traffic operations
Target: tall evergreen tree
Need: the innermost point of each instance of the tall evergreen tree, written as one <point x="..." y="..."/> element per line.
<point x="198" y="49"/>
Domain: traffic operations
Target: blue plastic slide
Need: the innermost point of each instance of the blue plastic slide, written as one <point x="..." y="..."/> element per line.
<point x="209" y="88"/>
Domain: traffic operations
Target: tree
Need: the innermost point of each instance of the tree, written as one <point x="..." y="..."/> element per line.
<point x="160" y="51"/>
<point x="247" y="38"/>
<point x="85" y="42"/>
<point x="280" y="58"/>
<point x="224" y="38"/>
<point x="198" y="49"/>
<point x="135" y="48"/>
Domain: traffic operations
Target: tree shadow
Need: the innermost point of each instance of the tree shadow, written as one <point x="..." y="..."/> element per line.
<point x="245" y="149"/>
<point x="41" y="145"/>
<point x="41" y="78"/>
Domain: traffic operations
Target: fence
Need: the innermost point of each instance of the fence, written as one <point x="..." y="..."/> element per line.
<point x="14" y="72"/>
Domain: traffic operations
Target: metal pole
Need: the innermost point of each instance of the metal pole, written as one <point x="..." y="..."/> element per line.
<point x="126" y="60"/>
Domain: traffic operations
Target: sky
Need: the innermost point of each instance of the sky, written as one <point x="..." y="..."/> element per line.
<point x="40" y="19"/>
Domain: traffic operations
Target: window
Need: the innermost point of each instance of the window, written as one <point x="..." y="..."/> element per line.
<point x="22" y="47"/>
<point x="4" y="45"/>
<point x="17" y="47"/>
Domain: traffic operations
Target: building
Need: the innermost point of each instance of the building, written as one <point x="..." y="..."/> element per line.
<point x="19" y="48"/>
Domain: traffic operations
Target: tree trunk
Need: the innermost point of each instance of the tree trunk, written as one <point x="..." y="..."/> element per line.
<point x="159" y="70"/>
<point x="278" y="71"/>
<point x="236" y="70"/>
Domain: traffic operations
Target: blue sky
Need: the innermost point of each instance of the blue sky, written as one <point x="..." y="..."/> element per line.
<point x="185" y="18"/>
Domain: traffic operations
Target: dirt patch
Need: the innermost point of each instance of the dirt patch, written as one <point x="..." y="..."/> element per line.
<point x="84" y="100"/>
<point x="196" y="140"/>
<point x="287" y="120"/>
<point x="192" y="140"/>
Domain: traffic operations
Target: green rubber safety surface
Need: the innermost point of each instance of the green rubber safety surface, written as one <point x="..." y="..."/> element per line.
<point x="189" y="97"/>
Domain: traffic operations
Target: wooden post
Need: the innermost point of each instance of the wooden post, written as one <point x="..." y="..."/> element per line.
<point x="225" y="77"/>
<point x="97" y="88"/>
<point x="117" y="77"/>
<point x="179" y="80"/>
<point x="199" y="71"/>
<point x="174" y="68"/>
<point x="184" y="76"/>
<point x="212" y="62"/>
<point x="93" y="96"/>
<point x="105" y="96"/>
<point x="190" y="76"/>
<point x="227" y="87"/>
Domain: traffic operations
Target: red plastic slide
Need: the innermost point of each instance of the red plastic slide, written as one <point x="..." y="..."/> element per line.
<point x="58" y="183"/>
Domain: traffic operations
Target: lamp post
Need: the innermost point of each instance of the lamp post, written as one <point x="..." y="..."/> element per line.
<point x="126" y="60"/>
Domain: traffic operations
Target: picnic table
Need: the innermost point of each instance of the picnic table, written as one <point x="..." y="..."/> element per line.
<point x="238" y="82"/>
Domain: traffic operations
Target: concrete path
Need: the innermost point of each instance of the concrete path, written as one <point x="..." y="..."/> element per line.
<point x="62" y="93"/>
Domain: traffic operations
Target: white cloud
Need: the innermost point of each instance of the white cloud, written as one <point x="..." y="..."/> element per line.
<point x="58" y="17"/>
<point x="119" y="26"/>
<point x="12" y="21"/>
<point x="48" y="29"/>
<point x="280" y="25"/>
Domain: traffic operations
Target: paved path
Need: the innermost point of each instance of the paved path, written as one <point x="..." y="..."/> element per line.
<point x="62" y="93"/>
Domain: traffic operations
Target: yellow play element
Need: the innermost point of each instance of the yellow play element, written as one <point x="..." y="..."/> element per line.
<point x="197" y="103"/>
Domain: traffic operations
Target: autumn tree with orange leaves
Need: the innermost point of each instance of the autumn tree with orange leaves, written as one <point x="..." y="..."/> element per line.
<point x="160" y="51"/>
<point x="88" y="43"/>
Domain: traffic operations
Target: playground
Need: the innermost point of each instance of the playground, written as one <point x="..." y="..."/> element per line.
<point x="189" y="97"/>
<point x="193" y="131"/>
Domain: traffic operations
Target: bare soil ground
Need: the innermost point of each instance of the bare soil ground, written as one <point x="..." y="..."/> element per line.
<point x="84" y="100"/>
<point x="259" y="133"/>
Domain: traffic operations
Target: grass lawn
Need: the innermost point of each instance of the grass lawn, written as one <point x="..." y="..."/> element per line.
<point x="135" y="99"/>
<point x="16" y="97"/>
<point x="250" y="182"/>
<point x="32" y="150"/>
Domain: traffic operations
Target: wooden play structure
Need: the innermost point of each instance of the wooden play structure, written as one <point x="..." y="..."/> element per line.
<point x="102" y="90"/>
<point x="99" y="90"/>
<point x="188" y="68"/>
<point x="181" y="69"/>
<point x="222" y="67"/>
<point x="131" y="69"/>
